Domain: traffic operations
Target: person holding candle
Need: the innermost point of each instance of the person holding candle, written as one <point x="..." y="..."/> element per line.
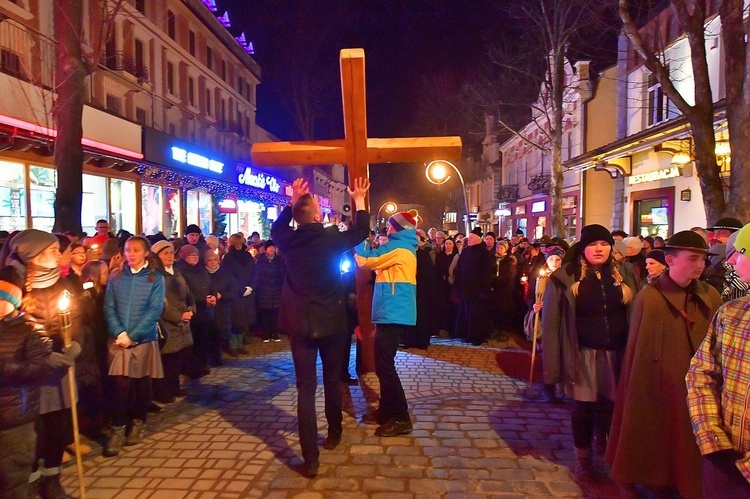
<point x="35" y="257"/>
<point x="133" y="303"/>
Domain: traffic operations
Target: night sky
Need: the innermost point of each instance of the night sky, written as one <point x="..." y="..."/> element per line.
<point x="412" y="47"/>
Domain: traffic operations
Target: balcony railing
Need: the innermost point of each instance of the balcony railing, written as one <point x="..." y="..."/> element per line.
<point x="507" y="193"/>
<point x="119" y="61"/>
<point x="540" y="183"/>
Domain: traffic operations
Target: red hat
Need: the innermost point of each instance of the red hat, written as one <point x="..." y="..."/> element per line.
<point x="402" y="221"/>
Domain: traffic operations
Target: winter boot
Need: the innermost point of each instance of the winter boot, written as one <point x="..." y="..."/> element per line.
<point x="136" y="433"/>
<point x="50" y="488"/>
<point x="584" y="464"/>
<point x="114" y="444"/>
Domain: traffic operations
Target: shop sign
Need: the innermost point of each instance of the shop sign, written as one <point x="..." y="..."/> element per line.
<point x="324" y="203"/>
<point x="228" y="205"/>
<point x="539" y="207"/>
<point x="520" y="210"/>
<point x="196" y="160"/>
<point x="259" y="180"/>
<point x="655" y="175"/>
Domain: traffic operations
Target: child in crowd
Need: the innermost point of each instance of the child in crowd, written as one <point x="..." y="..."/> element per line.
<point x="133" y="303"/>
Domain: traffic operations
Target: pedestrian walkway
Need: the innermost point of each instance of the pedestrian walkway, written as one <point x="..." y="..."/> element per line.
<point x="235" y="436"/>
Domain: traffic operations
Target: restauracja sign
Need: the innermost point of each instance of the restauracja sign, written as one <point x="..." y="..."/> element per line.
<point x="655" y="175"/>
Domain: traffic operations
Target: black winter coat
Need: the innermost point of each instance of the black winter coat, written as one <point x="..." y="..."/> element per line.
<point x="473" y="274"/>
<point x="225" y="284"/>
<point x="426" y="299"/>
<point x="178" y="300"/>
<point x="23" y="364"/>
<point x="241" y="265"/>
<point x="270" y="274"/>
<point x="313" y="280"/>
<point x="200" y="285"/>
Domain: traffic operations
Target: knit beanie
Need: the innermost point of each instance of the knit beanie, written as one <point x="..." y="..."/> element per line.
<point x="402" y="221"/>
<point x="621" y="248"/>
<point x="10" y="290"/>
<point x="30" y="243"/>
<point x="212" y="241"/>
<point x="742" y="243"/>
<point x="592" y="233"/>
<point x="555" y="251"/>
<point x="188" y="250"/>
<point x="657" y="255"/>
<point x="192" y="229"/>
<point x="160" y="246"/>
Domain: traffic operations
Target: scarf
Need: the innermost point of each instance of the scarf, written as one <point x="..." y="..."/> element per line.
<point x="169" y="270"/>
<point x="41" y="277"/>
<point x="212" y="271"/>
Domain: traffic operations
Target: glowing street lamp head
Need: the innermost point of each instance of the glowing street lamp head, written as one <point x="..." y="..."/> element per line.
<point x="390" y="207"/>
<point x="437" y="172"/>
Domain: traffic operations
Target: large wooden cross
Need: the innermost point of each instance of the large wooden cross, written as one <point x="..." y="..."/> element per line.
<point x="357" y="151"/>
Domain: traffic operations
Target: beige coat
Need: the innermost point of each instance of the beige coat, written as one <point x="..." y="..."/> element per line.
<point x="651" y="441"/>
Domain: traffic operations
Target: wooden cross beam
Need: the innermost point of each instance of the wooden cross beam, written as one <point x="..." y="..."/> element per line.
<point x="357" y="151"/>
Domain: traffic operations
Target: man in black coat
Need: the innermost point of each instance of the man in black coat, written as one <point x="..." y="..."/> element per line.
<point x="312" y="308"/>
<point x="473" y="283"/>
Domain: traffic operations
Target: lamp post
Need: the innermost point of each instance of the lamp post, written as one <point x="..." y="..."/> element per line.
<point x="437" y="172"/>
<point x="390" y="208"/>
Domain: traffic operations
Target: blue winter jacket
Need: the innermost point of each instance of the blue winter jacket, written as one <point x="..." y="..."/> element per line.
<point x="394" y="297"/>
<point x="134" y="305"/>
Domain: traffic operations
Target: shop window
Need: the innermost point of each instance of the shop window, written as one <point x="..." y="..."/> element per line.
<point x="94" y="202"/>
<point x="652" y="212"/>
<point x="171" y="222"/>
<point x="151" y="211"/>
<point x="205" y="212"/>
<point x="192" y="208"/>
<point x="12" y="196"/>
<point x="249" y="215"/>
<point x="123" y="208"/>
<point x="43" y="185"/>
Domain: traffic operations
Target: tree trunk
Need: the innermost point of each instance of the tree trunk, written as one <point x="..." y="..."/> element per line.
<point x="556" y="174"/>
<point x="739" y="133"/>
<point x="708" y="169"/>
<point x="70" y="76"/>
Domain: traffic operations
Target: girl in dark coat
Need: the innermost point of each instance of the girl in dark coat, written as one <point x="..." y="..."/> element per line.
<point x="270" y="273"/>
<point x="199" y="282"/>
<point x="35" y="255"/>
<point x="226" y="292"/>
<point x="241" y="265"/>
<point x="179" y="308"/>
<point x="446" y="309"/>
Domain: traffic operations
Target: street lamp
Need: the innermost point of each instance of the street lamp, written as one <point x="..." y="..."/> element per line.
<point x="390" y="208"/>
<point x="438" y="173"/>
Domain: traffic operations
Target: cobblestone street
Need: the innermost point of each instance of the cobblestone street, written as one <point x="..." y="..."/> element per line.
<point x="235" y="436"/>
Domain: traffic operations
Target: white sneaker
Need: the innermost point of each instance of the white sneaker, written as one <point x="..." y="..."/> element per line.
<point x="266" y="340"/>
<point x="276" y="339"/>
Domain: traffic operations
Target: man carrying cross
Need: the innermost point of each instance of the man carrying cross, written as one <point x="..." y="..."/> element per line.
<point x="312" y="310"/>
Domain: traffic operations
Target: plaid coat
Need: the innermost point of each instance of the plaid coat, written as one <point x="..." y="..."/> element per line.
<point x="718" y="384"/>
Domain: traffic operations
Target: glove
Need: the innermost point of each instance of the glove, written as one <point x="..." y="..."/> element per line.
<point x="247" y="292"/>
<point x="72" y="351"/>
<point x="59" y="361"/>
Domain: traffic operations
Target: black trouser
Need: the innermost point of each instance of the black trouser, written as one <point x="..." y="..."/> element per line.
<point x="202" y="332"/>
<point x="54" y="432"/>
<point x="165" y="388"/>
<point x="16" y="460"/>
<point x="305" y="353"/>
<point x="268" y="318"/>
<point x="346" y="355"/>
<point x="586" y="417"/>
<point x="392" y="397"/>
<point x="131" y="399"/>
<point x="724" y="481"/>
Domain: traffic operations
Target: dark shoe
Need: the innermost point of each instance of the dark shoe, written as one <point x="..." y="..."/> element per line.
<point x="600" y="442"/>
<point x="584" y="465"/>
<point x="233" y="352"/>
<point x="394" y="427"/>
<point x="550" y="394"/>
<point x="310" y="469"/>
<point x="332" y="441"/>
<point x="153" y="407"/>
<point x="374" y="418"/>
<point x="350" y="381"/>
<point x="114" y="444"/>
<point x="136" y="433"/>
<point x="180" y="392"/>
<point x="50" y="488"/>
<point x="168" y="400"/>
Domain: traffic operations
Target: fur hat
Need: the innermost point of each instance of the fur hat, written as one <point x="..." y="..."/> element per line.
<point x="687" y="239"/>
<point x="594" y="232"/>
<point x="658" y="255"/>
<point x="403" y="220"/>
<point x="742" y="242"/>
<point x="30" y="243"/>
<point x="160" y="246"/>
<point x="192" y="229"/>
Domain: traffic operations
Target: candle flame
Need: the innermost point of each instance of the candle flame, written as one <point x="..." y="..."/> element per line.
<point x="63" y="304"/>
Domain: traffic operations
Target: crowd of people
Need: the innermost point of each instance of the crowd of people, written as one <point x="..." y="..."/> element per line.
<point x="623" y="321"/>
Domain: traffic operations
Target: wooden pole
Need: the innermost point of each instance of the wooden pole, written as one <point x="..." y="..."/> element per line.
<point x="541" y="285"/>
<point x="67" y="339"/>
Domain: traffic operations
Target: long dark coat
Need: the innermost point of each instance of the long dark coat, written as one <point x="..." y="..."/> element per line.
<point x="241" y="265"/>
<point x="651" y="440"/>
<point x="473" y="283"/>
<point x="426" y="301"/>
<point x="313" y="280"/>
<point x="199" y="282"/>
<point x="269" y="274"/>
<point x="224" y="283"/>
<point x="178" y="300"/>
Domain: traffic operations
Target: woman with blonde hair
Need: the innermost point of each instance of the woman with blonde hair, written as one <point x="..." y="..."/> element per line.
<point x="584" y="333"/>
